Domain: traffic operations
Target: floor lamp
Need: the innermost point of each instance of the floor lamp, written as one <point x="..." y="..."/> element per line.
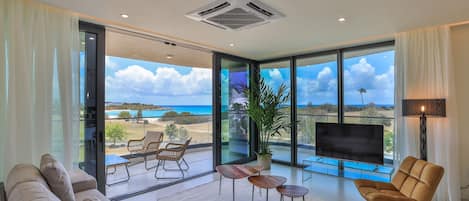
<point x="423" y="108"/>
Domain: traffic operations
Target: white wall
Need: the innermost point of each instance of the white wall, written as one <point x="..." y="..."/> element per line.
<point x="460" y="42"/>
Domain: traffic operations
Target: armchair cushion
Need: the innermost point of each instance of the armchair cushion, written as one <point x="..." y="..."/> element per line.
<point x="81" y="181"/>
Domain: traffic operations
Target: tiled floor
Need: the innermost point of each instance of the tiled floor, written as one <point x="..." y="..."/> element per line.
<point x="322" y="186"/>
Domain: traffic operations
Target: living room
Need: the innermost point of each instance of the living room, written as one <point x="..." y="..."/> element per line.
<point x="233" y="100"/>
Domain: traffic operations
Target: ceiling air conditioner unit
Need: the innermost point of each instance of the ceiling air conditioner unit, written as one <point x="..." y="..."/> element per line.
<point x="235" y="14"/>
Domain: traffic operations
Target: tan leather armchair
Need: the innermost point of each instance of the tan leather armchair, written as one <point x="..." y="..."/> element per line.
<point x="416" y="180"/>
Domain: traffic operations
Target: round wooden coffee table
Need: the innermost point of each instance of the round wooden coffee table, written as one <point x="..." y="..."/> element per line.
<point x="236" y="172"/>
<point x="292" y="191"/>
<point x="267" y="182"/>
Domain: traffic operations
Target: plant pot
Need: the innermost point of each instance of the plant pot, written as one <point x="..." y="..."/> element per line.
<point x="264" y="160"/>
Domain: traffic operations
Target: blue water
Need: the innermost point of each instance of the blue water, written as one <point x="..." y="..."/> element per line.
<point x="193" y="109"/>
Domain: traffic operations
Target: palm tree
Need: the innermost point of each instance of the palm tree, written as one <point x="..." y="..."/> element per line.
<point x="362" y="91"/>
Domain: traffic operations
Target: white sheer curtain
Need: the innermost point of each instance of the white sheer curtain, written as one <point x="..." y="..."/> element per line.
<point x="424" y="70"/>
<point x="39" y="84"/>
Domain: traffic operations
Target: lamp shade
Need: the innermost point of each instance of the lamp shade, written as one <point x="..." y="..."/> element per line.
<point x="431" y="107"/>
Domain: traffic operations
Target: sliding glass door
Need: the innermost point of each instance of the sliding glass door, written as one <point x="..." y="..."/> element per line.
<point x="92" y="102"/>
<point x="234" y="136"/>
<point x="275" y="74"/>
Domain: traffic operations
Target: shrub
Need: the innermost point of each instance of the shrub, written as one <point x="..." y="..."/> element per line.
<point x="184" y="118"/>
<point x="115" y="132"/>
<point x="124" y="115"/>
<point x="171" y="131"/>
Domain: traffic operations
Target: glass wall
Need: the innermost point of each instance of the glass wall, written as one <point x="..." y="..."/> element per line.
<point x="235" y="136"/>
<point x="155" y="86"/>
<point x="276" y="74"/>
<point x="316" y="97"/>
<point x="369" y="90"/>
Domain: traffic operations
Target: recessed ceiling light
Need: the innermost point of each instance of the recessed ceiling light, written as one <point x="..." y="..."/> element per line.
<point x="125" y="16"/>
<point x="91" y="38"/>
<point x="232" y="44"/>
<point x="169" y="56"/>
<point x="342" y="19"/>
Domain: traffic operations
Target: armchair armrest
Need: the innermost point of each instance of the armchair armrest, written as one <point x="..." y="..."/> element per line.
<point x="130" y="142"/>
<point x="82" y="181"/>
<point x="173" y="146"/>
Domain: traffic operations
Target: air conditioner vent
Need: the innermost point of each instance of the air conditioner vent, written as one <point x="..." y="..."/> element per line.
<point x="259" y="9"/>
<point x="215" y="9"/>
<point x="235" y="14"/>
<point x="236" y="18"/>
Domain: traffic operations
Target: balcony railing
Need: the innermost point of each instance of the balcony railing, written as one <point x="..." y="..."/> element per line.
<point x="199" y="127"/>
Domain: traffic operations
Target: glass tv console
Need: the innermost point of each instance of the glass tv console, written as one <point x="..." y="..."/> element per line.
<point x="347" y="169"/>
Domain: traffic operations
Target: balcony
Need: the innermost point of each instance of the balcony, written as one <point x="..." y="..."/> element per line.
<point x="199" y="154"/>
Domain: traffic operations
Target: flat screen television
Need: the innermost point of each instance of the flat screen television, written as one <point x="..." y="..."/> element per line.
<point x="356" y="142"/>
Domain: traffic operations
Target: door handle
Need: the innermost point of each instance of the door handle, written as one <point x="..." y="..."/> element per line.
<point x="100" y="137"/>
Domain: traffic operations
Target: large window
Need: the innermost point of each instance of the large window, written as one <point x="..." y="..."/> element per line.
<point x="276" y="74"/>
<point x="369" y="90"/>
<point x="351" y="85"/>
<point x="158" y="87"/>
<point x="316" y="95"/>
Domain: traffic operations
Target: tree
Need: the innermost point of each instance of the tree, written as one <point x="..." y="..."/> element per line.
<point x="124" y="115"/>
<point x="139" y="115"/>
<point x="183" y="134"/>
<point x="362" y="91"/>
<point x="115" y="132"/>
<point x="171" y="131"/>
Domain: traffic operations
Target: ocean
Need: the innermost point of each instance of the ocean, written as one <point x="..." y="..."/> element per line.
<point x="193" y="109"/>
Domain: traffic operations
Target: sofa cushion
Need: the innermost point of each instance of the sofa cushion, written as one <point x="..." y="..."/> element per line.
<point x="23" y="173"/>
<point x="81" y="181"/>
<point x="90" y="195"/>
<point x="57" y="178"/>
<point x="31" y="191"/>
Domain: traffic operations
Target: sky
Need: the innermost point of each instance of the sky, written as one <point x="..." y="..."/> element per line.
<point x="129" y="80"/>
<point x="317" y="83"/>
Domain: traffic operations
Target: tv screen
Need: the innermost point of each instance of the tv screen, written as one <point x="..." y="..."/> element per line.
<point x="356" y="142"/>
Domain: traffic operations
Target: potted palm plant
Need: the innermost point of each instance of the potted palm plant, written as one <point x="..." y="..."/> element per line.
<point x="264" y="108"/>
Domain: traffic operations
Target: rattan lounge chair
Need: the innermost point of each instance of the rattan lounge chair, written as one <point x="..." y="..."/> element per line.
<point x="172" y="152"/>
<point x="146" y="146"/>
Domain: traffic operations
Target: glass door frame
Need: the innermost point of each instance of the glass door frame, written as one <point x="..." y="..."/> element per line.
<point x="99" y="58"/>
<point x="216" y="99"/>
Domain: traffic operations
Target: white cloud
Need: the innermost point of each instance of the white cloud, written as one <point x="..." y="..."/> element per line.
<point x="323" y="87"/>
<point x="110" y="64"/>
<point x="138" y="81"/>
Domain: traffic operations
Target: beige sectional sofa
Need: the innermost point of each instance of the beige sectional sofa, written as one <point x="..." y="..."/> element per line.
<point x="51" y="182"/>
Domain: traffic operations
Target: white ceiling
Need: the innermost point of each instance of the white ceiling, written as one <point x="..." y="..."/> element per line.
<point x="309" y="24"/>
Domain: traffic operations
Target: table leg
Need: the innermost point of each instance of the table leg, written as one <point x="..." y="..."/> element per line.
<point x="127" y="170"/>
<point x="252" y="194"/>
<point x="233" y="190"/>
<point x="303" y="198"/>
<point x="219" y="186"/>
<point x="267" y="195"/>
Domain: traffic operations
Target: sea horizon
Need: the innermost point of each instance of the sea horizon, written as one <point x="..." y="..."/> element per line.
<point x="201" y="110"/>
